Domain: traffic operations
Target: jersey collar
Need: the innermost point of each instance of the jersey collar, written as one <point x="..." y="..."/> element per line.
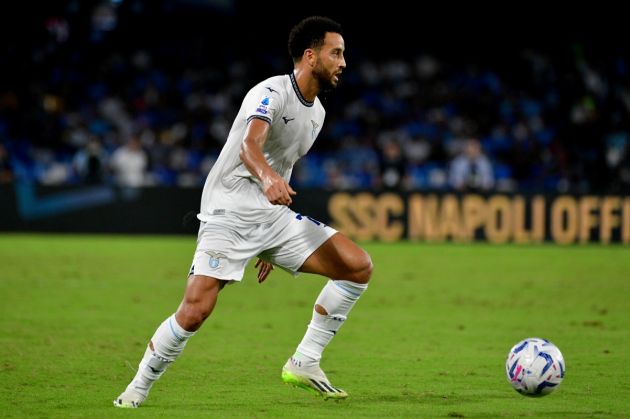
<point x="297" y="91"/>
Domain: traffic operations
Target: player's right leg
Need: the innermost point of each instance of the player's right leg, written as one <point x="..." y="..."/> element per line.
<point x="171" y="336"/>
<point x="217" y="261"/>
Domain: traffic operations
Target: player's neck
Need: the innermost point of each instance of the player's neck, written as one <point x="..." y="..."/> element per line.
<point x="309" y="87"/>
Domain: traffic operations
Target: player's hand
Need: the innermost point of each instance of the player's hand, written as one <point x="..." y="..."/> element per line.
<point x="264" y="269"/>
<point x="277" y="190"/>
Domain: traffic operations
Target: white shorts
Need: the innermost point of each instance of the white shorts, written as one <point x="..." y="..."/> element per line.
<point x="226" y="244"/>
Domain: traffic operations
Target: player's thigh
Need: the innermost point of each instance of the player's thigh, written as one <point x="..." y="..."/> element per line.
<point x="202" y="289"/>
<point x="339" y="258"/>
<point x="292" y="239"/>
<point x="307" y="245"/>
<point x="223" y="250"/>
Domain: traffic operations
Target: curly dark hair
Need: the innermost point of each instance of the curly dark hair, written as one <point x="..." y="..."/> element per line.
<point x="310" y="33"/>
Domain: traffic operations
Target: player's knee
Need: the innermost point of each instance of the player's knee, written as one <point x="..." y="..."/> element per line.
<point x="192" y="316"/>
<point x="363" y="269"/>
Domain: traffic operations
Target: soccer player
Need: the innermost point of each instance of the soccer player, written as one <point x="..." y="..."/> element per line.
<point x="245" y="213"/>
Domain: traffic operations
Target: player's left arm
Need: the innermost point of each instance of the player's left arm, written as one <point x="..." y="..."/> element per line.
<point x="264" y="269"/>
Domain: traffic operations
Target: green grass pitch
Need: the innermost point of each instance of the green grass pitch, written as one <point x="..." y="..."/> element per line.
<point x="428" y="339"/>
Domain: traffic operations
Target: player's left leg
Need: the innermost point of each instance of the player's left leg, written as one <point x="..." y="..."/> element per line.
<point x="351" y="267"/>
<point x="340" y="258"/>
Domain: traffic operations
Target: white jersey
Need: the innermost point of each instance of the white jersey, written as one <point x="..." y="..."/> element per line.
<point x="294" y="124"/>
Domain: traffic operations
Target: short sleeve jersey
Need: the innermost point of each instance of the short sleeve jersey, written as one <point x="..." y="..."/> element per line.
<point x="294" y="125"/>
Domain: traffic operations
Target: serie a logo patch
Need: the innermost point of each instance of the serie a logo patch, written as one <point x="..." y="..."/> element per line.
<point x="263" y="105"/>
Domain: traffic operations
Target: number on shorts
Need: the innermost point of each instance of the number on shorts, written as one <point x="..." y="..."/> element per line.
<point x="300" y="216"/>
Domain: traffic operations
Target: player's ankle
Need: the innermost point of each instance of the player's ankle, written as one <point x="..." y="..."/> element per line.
<point x="304" y="361"/>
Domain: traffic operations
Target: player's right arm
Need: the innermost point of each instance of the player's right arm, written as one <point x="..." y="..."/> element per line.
<point x="276" y="189"/>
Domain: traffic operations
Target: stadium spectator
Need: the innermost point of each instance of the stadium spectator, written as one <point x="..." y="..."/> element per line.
<point x="393" y="165"/>
<point x="129" y="164"/>
<point x="6" y="168"/>
<point x="471" y="170"/>
<point x="89" y="162"/>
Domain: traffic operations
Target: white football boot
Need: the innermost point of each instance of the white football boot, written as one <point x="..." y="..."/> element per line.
<point x="312" y="379"/>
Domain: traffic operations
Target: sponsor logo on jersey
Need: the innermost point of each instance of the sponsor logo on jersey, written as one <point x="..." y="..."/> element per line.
<point x="287" y="120"/>
<point x="263" y="105"/>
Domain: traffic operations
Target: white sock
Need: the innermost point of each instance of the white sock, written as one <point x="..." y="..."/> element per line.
<point x="165" y="346"/>
<point x="337" y="298"/>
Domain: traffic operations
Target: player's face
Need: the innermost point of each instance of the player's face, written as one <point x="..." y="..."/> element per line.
<point x="330" y="61"/>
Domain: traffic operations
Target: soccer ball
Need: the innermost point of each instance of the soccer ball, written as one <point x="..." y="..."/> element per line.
<point x="535" y="367"/>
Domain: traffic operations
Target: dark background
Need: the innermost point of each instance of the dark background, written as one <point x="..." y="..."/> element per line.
<point x="469" y="39"/>
<point x="455" y="29"/>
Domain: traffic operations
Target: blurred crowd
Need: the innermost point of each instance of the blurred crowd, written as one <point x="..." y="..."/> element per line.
<point x="94" y="106"/>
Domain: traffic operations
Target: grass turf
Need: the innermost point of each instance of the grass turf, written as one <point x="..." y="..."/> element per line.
<point x="428" y="339"/>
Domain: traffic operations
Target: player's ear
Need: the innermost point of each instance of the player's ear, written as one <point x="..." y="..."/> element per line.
<point x="309" y="56"/>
